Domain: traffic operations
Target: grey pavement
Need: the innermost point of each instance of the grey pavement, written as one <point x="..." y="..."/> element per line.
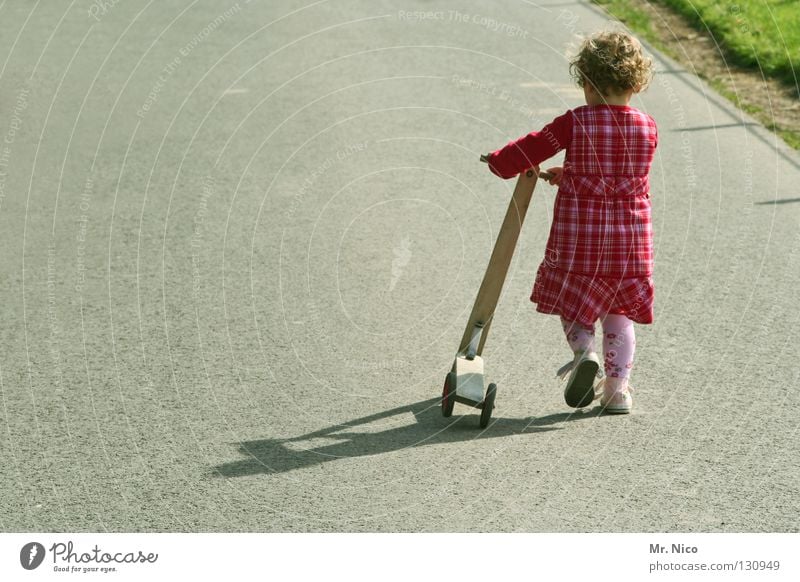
<point x="241" y="241"/>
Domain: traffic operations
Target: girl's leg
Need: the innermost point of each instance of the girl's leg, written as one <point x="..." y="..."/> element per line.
<point x="579" y="391"/>
<point x="579" y="337"/>
<point x="619" y="344"/>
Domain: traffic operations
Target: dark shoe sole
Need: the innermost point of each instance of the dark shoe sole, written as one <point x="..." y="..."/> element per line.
<point x="580" y="392"/>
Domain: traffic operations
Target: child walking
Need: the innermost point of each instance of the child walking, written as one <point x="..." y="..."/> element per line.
<point x="598" y="261"/>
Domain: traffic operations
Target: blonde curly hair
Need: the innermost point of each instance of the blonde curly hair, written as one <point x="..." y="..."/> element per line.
<point x="612" y="62"/>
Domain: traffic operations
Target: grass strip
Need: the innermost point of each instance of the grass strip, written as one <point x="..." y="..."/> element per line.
<point x="779" y="58"/>
<point x="758" y="34"/>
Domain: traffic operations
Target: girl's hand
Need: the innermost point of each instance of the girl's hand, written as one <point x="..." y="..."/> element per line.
<point x="556" y="173"/>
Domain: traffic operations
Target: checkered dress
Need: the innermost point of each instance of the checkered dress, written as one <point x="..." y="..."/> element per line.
<point x="599" y="256"/>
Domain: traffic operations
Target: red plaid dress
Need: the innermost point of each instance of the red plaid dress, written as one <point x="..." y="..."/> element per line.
<point x="599" y="256"/>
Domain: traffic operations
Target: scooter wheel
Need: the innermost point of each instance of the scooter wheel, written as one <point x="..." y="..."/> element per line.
<point x="449" y="394"/>
<point x="488" y="405"/>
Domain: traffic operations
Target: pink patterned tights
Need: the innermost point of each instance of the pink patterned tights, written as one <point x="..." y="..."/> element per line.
<point x="619" y="342"/>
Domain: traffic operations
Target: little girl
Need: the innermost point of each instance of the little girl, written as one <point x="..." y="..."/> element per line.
<point x="598" y="261"/>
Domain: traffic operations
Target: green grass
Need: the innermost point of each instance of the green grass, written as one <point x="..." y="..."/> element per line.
<point x="749" y="33"/>
<point x="634" y="18"/>
<point x="792" y="138"/>
<point x="759" y="34"/>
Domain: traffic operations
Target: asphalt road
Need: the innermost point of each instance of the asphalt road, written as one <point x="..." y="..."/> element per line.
<point x="241" y="241"/>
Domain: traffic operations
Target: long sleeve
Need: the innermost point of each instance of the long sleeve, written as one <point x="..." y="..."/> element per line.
<point x="532" y="149"/>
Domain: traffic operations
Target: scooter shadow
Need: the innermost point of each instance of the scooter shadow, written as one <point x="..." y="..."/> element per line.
<point x="356" y="439"/>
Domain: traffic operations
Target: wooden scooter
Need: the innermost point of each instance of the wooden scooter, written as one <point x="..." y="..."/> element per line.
<point x="465" y="382"/>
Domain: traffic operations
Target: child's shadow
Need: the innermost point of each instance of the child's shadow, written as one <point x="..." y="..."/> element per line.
<point x="375" y="434"/>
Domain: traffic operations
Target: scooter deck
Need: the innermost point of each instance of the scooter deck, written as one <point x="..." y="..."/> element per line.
<point x="469" y="378"/>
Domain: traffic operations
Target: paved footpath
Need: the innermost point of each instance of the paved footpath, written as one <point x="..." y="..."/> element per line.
<point x="241" y="241"/>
